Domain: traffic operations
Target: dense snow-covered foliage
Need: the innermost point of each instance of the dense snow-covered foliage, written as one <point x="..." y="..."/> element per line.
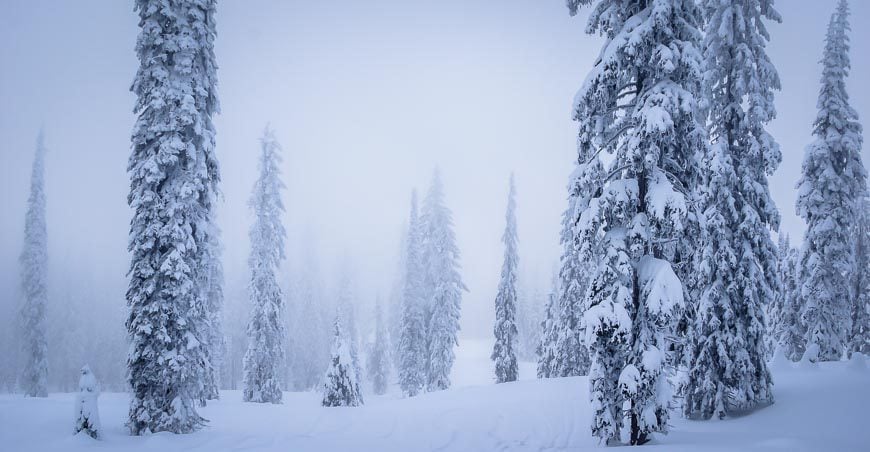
<point x="504" y="352"/>
<point x="34" y="282"/>
<point x="785" y="330"/>
<point x="413" y="356"/>
<point x="341" y="386"/>
<point x="546" y="350"/>
<point x="174" y="174"/>
<point x="86" y="408"/>
<point x="264" y="359"/>
<point x="736" y="271"/>
<point x="860" y="339"/>
<point x="639" y="105"/>
<point x="442" y="285"/>
<point x="832" y="184"/>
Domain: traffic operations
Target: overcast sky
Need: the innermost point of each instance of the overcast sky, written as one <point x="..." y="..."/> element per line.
<point x="366" y="99"/>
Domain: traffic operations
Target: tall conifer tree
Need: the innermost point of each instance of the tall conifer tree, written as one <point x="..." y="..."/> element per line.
<point x="832" y="184"/>
<point x="504" y="353"/>
<point x="173" y="184"/>
<point x="442" y="284"/>
<point x="640" y="105"/>
<point x="737" y="266"/>
<point x="34" y="281"/>
<point x="264" y="358"/>
<point x="413" y="356"/>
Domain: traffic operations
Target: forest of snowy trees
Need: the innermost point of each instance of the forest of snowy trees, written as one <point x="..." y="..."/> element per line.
<point x="673" y="292"/>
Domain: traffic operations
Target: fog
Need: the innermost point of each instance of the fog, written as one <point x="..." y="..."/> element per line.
<point x="367" y="99"/>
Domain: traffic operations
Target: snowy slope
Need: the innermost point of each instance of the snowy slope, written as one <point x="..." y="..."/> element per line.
<point x="817" y="409"/>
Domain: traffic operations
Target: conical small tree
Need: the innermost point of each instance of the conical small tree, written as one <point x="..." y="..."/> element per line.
<point x="264" y="359"/>
<point x="833" y="181"/>
<point x="413" y="356"/>
<point x="341" y="386"/>
<point x="443" y="286"/>
<point x="87" y="410"/>
<point x="34" y="282"/>
<point x="786" y="329"/>
<point x="505" y="330"/>
<point x="378" y="364"/>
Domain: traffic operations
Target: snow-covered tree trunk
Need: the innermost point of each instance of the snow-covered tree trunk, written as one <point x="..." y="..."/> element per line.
<point x="504" y="353"/>
<point x="412" y="340"/>
<point x="34" y="282"/>
<point x="264" y="359"/>
<point x="174" y="175"/>
<point x="341" y="386"/>
<point x="378" y="365"/>
<point x="727" y="366"/>
<point x="640" y="105"/>
<point x="87" y="409"/>
<point x="443" y="286"/>
<point x="832" y="183"/>
<point x="860" y="340"/>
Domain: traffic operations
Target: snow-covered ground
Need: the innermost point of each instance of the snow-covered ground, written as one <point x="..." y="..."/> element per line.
<point x="818" y="408"/>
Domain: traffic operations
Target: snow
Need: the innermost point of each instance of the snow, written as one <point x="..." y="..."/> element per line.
<point x="814" y="411"/>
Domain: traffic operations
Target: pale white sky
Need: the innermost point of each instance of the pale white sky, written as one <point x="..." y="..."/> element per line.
<point x="366" y="99"/>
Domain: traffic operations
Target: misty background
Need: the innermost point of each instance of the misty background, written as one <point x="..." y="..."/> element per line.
<point x="366" y="98"/>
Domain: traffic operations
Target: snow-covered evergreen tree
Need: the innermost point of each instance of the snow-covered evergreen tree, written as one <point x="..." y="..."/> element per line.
<point x="640" y="105"/>
<point x="87" y="409"/>
<point x="860" y="340"/>
<point x="413" y="356"/>
<point x="264" y="358"/>
<point x="378" y="364"/>
<point x="832" y="183"/>
<point x="341" y="386"/>
<point x="504" y="352"/>
<point x="345" y="304"/>
<point x="786" y="330"/>
<point x="727" y="369"/>
<point x="34" y="282"/>
<point x="546" y="350"/>
<point x="174" y="175"/>
<point x="443" y="286"/>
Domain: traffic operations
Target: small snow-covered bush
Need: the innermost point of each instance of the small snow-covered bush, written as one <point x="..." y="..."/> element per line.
<point x="86" y="409"/>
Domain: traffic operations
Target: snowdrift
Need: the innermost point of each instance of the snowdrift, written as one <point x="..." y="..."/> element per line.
<point x="817" y="409"/>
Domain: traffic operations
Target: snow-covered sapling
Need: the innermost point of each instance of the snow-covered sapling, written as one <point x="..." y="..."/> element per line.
<point x="341" y="385"/>
<point x="86" y="409"/>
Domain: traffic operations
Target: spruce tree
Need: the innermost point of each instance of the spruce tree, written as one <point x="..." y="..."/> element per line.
<point x="443" y="286"/>
<point x="639" y="105"/>
<point x="341" y="385"/>
<point x="264" y="359"/>
<point x="413" y="356"/>
<point x="860" y="340"/>
<point x="378" y="364"/>
<point x="832" y="183"/>
<point x="174" y="175"/>
<point x="504" y="351"/>
<point x="727" y="369"/>
<point x="34" y="282"/>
